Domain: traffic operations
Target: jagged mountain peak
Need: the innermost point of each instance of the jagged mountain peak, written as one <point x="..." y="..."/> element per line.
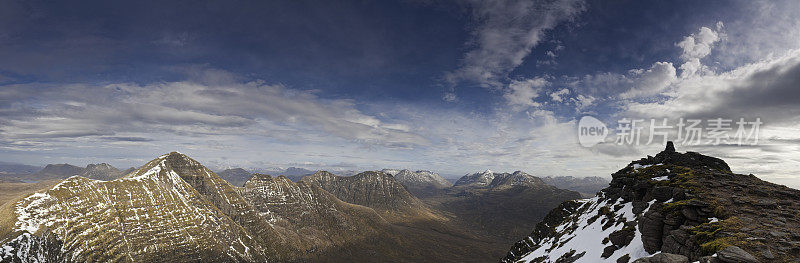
<point x="686" y="204"/>
<point x="171" y="202"/>
<point x="421" y="183"/>
<point x="480" y="179"/>
<point x="102" y="171"/>
<point x="489" y="179"/>
<point x="100" y="166"/>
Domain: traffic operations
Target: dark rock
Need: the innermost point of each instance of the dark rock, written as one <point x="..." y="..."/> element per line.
<point x="662" y="193"/>
<point x="664" y="258"/>
<point x="735" y="254"/>
<point x="651" y="225"/>
<point x="622" y="237"/>
<point x="639" y="207"/>
<point x="708" y="259"/>
<point x="766" y="253"/>
<point x="678" y="242"/>
<point x="670" y="147"/>
<point x="608" y="251"/>
<point x="689" y="213"/>
<point x="678" y="194"/>
<point x="624" y="259"/>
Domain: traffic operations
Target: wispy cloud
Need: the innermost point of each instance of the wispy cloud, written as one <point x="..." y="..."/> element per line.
<point x="211" y="102"/>
<point x="503" y="34"/>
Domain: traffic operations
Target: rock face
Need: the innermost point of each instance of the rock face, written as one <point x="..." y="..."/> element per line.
<point x="735" y="254"/>
<point x="312" y="218"/>
<point x="376" y="190"/>
<point x="235" y="176"/>
<point x="677" y="203"/>
<point x="420" y="183"/>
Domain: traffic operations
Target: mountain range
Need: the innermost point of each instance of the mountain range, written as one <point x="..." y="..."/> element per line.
<point x="174" y="209"/>
<point x="671" y="207"/>
<point x="26" y="173"/>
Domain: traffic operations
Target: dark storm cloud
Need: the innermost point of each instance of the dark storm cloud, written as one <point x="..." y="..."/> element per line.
<point x="769" y="90"/>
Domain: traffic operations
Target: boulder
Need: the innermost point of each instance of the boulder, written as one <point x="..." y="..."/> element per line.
<point x="664" y="258"/>
<point x="622" y="237"/>
<point x="735" y="254"/>
<point x="651" y="225"/>
<point x="662" y="193"/>
<point x="624" y="259"/>
<point x="608" y="251"/>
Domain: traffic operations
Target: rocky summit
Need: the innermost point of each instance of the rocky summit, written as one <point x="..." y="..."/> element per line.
<point x="672" y="207"/>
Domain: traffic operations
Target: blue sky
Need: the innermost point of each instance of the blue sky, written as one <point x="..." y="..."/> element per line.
<point x="450" y="86"/>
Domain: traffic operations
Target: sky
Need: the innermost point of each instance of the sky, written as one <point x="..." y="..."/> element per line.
<point x="450" y="86"/>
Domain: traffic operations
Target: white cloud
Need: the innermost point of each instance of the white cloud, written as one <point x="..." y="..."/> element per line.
<point x="212" y="103"/>
<point x="581" y="101"/>
<point x="695" y="47"/>
<point x="449" y="97"/>
<point x="521" y="93"/>
<point x="651" y="81"/>
<point x="505" y="33"/>
<point x="558" y="95"/>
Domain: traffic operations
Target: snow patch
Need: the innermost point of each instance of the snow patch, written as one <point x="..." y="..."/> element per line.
<point x="587" y="238"/>
<point x="28" y="216"/>
<point x="660" y="178"/>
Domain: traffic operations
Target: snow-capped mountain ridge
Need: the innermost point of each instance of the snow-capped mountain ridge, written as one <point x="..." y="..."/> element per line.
<point x="419" y="177"/>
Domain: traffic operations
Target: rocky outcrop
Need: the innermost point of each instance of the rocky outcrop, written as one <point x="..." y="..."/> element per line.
<point x="735" y="254"/>
<point x="686" y="204"/>
<point x="663" y="258"/>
